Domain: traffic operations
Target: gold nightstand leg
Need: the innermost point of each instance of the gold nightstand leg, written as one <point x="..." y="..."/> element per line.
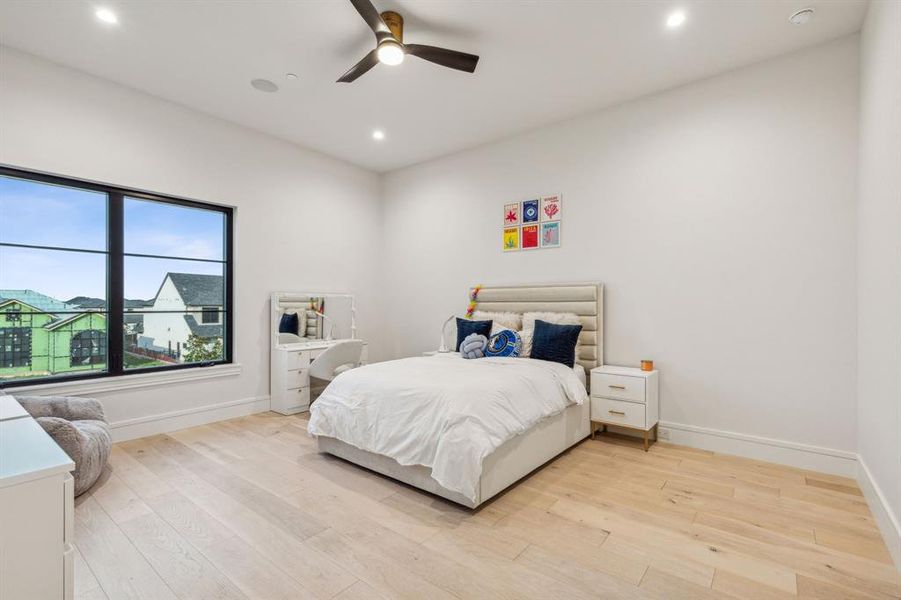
<point x="646" y="440"/>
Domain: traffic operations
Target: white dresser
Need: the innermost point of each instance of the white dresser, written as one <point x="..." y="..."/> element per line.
<point x="289" y="381"/>
<point x="625" y="397"/>
<point x="37" y="510"/>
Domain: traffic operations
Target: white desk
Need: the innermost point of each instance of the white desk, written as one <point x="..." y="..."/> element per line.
<point x="289" y="374"/>
<point x="37" y="510"/>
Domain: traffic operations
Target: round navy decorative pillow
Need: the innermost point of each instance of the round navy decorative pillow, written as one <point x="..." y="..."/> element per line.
<point x="504" y="343"/>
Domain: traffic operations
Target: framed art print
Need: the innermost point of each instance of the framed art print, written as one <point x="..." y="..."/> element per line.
<point x="551" y="209"/>
<point x="511" y="239"/>
<point x="530" y="211"/>
<point x="529" y="237"/>
<point x="550" y="234"/>
<point x="511" y="214"/>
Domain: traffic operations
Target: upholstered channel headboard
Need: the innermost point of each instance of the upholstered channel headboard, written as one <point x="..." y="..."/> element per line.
<point x="584" y="299"/>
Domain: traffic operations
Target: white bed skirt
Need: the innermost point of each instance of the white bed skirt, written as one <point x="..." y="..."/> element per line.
<point x="512" y="461"/>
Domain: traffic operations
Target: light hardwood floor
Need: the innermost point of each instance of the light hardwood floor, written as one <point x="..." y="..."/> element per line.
<point x="248" y="509"/>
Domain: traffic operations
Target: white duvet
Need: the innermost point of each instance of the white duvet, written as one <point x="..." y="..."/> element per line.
<point x="444" y="412"/>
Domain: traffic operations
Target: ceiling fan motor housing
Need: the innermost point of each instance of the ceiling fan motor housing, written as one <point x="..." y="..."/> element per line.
<point x="395" y="23"/>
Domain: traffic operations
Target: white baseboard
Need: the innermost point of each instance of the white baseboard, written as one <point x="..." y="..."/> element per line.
<point x="802" y="456"/>
<point x="130" y="429"/>
<point x="889" y="524"/>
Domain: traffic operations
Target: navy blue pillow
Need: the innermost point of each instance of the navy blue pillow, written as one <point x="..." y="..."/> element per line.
<point x="465" y="327"/>
<point x="555" y="343"/>
<point x="289" y="323"/>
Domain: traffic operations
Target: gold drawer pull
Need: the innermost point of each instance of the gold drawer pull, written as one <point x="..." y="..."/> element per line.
<point x="617" y="387"/>
<point x="617" y="412"/>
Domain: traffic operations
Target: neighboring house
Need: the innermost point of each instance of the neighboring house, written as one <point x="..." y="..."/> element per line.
<point x="34" y="341"/>
<point x="40" y="335"/>
<point x="134" y="321"/>
<point x="192" y="305"/>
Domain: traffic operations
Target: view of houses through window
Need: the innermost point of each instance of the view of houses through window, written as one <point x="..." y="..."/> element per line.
<point x="64" y="258"/>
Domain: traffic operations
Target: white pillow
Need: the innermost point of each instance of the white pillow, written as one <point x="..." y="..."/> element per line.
<point x="506" y="320"/>
<point x="558" y="318"/>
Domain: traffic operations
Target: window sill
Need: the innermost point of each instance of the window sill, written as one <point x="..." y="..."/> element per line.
<point x="128" y="382"/>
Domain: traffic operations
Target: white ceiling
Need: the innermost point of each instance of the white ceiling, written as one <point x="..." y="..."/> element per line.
<point x="541" y="61"/>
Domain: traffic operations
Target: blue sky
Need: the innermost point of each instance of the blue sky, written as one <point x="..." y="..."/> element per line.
<point x="49" y="215"/>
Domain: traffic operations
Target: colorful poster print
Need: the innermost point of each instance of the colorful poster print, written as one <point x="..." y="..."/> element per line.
<point x="529" y="237"/>
<point x="550" y="234"/>
<point x="511" y="214"/>
<point x="511" y="239"/>
<point x="551" y="210"/>
<point x="530" y="211"/>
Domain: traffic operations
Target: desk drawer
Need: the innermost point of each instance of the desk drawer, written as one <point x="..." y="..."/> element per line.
<point x="297" y="379"/>
<point x="297" y="360"/>
<point x="298" y="399"/>
<point x="630" y="414"/>
<point x="619" y="387"/>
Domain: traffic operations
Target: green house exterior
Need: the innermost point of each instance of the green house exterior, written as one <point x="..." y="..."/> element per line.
<point x="34" y="343"/>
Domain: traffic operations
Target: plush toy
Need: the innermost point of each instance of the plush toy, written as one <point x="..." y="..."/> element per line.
<point x="505" y="342"/>
<point x="473" y="346"/>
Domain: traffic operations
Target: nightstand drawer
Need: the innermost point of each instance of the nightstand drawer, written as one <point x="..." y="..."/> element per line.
<point x="620" y="387"/>
<point x="630" y="414"/>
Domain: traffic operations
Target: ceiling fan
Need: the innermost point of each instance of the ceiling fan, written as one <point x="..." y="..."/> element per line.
<point x="390" y="49"/>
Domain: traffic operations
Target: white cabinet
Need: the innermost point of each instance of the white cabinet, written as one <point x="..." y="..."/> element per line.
<point x="37" y="511"/>
<point x="289" y="378"/>
<point x="625" y="397"/>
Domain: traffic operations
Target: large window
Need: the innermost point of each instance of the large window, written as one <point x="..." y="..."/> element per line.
<point x="97" y="280"/>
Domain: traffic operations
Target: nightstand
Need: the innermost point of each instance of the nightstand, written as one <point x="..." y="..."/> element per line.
<point x="625" y="397"/>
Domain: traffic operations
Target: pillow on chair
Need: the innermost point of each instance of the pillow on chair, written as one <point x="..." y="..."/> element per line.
<point x="466" y="327"/>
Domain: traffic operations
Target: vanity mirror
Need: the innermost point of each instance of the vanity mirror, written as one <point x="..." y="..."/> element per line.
<point x="304" y="317"/>
<point x="305" y="326"/>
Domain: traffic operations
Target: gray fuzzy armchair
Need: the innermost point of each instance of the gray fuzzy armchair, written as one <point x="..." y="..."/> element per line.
<point x="79" y="426"/>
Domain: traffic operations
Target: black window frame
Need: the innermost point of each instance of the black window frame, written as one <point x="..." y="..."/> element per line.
<point x="115" y="277"/>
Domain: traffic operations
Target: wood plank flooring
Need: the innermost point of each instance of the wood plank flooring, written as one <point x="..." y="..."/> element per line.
<point x="248" y="509"/>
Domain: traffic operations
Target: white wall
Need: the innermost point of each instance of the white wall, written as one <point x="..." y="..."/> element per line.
<point x="304" y="221"/>
<point x="720" y="216"/>
<point x="879" y="267"/>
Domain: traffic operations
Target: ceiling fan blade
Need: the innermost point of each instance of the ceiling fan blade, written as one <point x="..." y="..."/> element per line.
<point x="369" y="61"/>
<point x="372" y="18"/>
<point x="446" y="58"/>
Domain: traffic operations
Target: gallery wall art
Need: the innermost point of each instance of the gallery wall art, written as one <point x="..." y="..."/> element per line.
<point x="532" y="224"/>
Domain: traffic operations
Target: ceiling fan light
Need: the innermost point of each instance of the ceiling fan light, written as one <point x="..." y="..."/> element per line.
<point x="390" y="53"/>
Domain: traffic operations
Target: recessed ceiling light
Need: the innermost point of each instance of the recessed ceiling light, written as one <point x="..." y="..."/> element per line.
<point x="675" y="19"/>
<point x="291" y="76"/>
<point x="264" y="85"/>
<point x="106" y="15"/>
<point x="390" y="53"/>
<point x="378" y="135"/>
<point x="802" y="17"/>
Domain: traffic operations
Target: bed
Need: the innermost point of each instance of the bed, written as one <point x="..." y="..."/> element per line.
<point x="533" y="434"/>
